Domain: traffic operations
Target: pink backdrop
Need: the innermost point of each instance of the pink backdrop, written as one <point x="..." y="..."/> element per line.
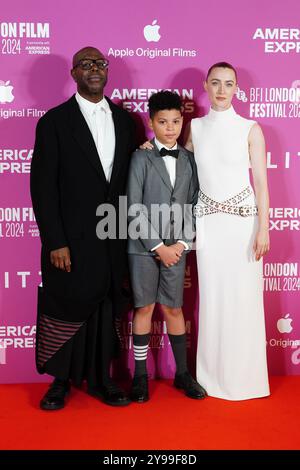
<point x="261" y="38"/>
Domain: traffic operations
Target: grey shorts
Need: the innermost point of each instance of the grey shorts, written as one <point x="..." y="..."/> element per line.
<point x="152" y="282"/>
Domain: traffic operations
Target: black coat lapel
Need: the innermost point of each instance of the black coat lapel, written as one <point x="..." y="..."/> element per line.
<point x="84" y="137"/>
<point x="119" y="148"/>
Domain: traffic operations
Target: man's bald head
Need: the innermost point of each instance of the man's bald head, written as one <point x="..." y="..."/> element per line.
<point x="85" y="52"/>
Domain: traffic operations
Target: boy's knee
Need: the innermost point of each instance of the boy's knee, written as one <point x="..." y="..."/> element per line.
<point x="146" y="310"/>
<point x="172" y="311"/>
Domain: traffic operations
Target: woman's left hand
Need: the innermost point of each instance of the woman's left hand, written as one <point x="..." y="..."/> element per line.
<point x="261" y="244"/>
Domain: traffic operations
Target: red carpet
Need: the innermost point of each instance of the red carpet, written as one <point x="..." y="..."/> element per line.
<point x="168" y="421"/>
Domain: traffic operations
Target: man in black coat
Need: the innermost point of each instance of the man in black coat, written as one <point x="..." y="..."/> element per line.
<point x="80" y="161"/>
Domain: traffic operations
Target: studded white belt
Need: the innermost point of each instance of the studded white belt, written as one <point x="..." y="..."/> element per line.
<point x="229" y="206"/>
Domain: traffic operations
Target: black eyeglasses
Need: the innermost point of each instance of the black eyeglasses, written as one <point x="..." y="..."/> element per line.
<point x="87" y="64"/>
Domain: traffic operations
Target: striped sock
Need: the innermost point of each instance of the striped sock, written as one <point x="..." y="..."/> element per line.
<point x="140" y="349"/>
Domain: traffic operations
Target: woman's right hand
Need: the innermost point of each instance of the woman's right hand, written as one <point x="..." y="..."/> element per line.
<point x="146" y="145"/>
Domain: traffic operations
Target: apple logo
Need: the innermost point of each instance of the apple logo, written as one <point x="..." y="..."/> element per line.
<point x="6" y="95"/>
<point x="284" y="324"/>
<point x="151" y="32"/>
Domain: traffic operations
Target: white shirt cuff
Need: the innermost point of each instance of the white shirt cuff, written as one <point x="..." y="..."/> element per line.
<point x="157" y="246"/>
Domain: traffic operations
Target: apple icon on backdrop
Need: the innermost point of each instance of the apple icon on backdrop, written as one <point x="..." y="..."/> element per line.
<point x="284" y="324"/>
<point x="6" y="95"/>
<point x="151" y="32"/>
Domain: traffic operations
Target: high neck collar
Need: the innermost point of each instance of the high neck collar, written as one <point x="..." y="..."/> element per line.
<point x="226" y="115"/>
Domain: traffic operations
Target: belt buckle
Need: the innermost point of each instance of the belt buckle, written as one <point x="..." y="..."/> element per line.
<point x="241" y="211"/>
<point x="199" y="212"/>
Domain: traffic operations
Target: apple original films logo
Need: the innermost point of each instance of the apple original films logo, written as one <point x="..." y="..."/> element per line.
<point x="151" y="32"/>
<point x="284" y="324"/>
<point x="6" y="112"/>
<point x="6" y="89"/>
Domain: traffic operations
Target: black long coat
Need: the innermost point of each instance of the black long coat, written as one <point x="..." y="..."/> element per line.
<point x="67" y="186"/>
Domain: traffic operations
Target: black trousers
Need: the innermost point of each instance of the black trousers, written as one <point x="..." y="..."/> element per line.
<point x="88" y="354"/>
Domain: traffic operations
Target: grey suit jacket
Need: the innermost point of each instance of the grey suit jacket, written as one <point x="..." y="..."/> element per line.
<point x="157" y="212"/>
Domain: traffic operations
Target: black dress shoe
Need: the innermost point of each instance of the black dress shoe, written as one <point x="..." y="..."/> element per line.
<point x="54" y="399"/>
<point x="190" y="386"/>
<point x="139" y="390"/>
<point x="111" y="394"/>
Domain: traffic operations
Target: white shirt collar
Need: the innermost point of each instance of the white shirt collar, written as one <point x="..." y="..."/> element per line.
<point x="226" y="115"/>
<point x="159" y="145"/>
<point x="89" y="107"/>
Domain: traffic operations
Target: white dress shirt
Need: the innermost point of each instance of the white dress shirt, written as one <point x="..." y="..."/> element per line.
<point x="170" y="163"/>
<point x="98" y="117"/>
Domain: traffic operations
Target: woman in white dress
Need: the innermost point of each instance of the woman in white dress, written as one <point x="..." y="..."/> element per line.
<point x="232" y="236"/>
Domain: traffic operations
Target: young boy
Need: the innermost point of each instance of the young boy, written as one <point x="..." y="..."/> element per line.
<point x="166" y="178"/>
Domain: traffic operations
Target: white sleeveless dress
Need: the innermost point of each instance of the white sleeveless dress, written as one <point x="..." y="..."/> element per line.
<point x="231" y="354"/>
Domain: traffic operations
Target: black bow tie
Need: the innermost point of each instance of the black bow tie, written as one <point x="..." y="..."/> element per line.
<point x="173" y="153"/>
